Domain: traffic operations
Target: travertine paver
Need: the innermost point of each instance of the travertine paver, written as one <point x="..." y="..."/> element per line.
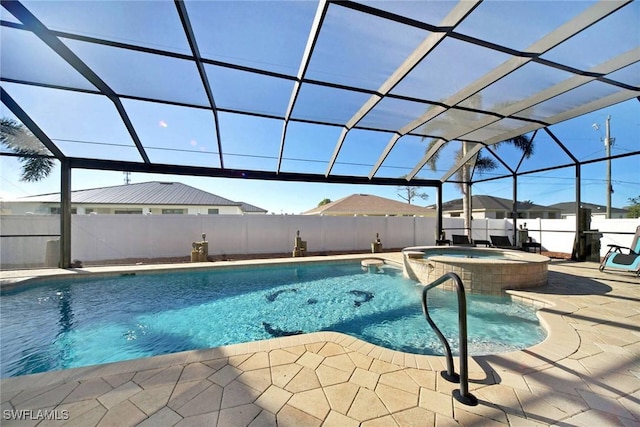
<point x="586" y="373"/>
<point x="365" y="378"/>
<point x="439" y="403"/>
<point x="89" y="389"/>
<point x="340" y="396"/>
<point x="237" y="393"/>
<point x="118" y="395"/>
<point x="395" y="399"/>
<point x="163" y="417"/>
<point x="329" y="376"/>
<point x="313" y="402"/>
<point x="123" y="414"/>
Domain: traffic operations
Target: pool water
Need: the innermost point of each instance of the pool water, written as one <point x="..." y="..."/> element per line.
<point x="65" y="324"/>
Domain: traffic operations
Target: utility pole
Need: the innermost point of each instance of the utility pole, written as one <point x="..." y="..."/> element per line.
<point x="608" y="141"/>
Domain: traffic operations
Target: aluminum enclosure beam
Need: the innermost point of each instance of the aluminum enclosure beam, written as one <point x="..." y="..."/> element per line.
<point x="314" y="33"/>
<point x="457" y="15"/>
<point x="65" y="214"/>
<point x="124" y="166"/>
<point x="195" y="51"/>
<point x="571" y="28"/>
<point x="42" y="32"/>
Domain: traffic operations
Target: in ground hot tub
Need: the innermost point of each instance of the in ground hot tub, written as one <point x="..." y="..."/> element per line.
<point x="483" y="270"/>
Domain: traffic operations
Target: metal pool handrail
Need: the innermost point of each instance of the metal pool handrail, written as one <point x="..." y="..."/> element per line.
<point x="462" y="395"/>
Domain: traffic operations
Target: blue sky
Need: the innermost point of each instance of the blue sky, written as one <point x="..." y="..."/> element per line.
<point x="543" y="188"/>
<point x="87" y="125"/>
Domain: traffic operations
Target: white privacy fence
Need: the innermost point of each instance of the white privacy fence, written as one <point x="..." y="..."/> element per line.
<point x="96" y="238"/>
<point x="20" y="251"/>
<point x="558" y="235"/>
<point x="99" y="237"/>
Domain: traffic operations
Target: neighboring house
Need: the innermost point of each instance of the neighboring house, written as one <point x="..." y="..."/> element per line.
<point x="157" y="198"/>
<point x="568" y="210"/>
<point x="369" y="205"/>
<point x="483" y="206"/>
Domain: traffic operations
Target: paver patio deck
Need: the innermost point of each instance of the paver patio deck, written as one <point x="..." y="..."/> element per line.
<point x="586" y="373"/>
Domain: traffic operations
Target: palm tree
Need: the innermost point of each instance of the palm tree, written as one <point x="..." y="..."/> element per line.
<point x="479" y="162"/>
<point x="35" y="158"/>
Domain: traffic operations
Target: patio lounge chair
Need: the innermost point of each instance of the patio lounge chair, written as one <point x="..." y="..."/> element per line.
<point x="617" y="259"/>
<point x="460" y="240"/>
<point x="502" y="242"/>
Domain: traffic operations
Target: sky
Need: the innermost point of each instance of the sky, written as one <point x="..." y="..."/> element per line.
<point x="87" y="125"/>
<point x="543" y="188"/>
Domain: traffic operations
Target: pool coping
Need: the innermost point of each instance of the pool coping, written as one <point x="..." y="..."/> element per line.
<point x="511" y="255"/>
<point x="12" y="279"/>
<point x="561" y="340"/>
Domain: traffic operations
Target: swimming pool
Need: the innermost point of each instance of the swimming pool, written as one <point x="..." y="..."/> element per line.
<point x="62" y="324"/>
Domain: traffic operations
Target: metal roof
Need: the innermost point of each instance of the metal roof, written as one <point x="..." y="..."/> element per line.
<point x="246" y="207"/>
<point x="144" y="193"/>
<point x="325" y="91"/>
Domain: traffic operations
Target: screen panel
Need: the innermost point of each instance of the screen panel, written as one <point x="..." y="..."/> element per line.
<point x="80" y="124"/>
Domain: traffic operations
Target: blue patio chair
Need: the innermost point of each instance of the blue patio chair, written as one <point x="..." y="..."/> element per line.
<point x="617" y="259"/>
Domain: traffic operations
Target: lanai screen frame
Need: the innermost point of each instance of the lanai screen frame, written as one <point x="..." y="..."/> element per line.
<point x="445" y="29"/>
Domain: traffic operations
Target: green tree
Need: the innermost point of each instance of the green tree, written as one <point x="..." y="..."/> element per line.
<point x="634" y="207"/>
<point x="480" y="163"/>
<point x="324" y="202"/>
<point x="32" y="154"/>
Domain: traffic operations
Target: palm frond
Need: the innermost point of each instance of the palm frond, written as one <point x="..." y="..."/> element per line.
<point x="485" y="164"/>
<point x="36" y="168"/>
<point x="523" y="143"/>
<point x="17" y="138"/>
<point x="433" y="161"/>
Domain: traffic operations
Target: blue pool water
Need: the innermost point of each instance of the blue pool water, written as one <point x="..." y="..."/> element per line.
<point x="65" y="324"/>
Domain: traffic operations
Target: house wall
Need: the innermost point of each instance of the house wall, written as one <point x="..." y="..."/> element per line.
<point x="598" y="215"/>
<point x="428" y="214"/>
<point x="19" y="208"/>
<point x="484" y="214"/>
